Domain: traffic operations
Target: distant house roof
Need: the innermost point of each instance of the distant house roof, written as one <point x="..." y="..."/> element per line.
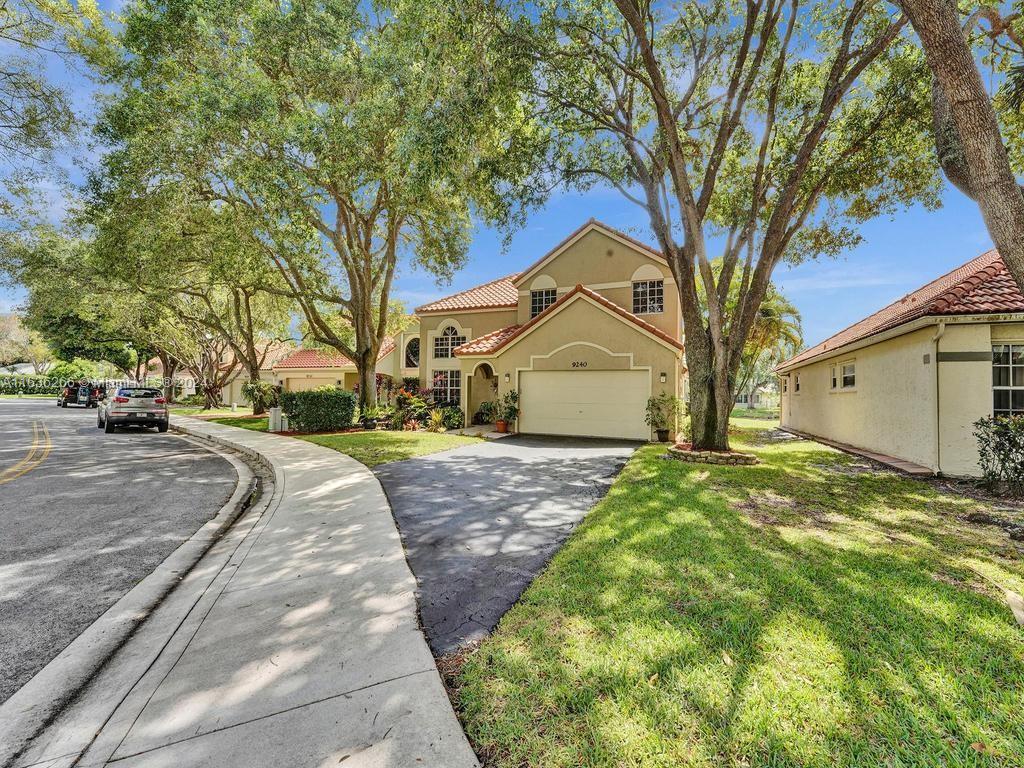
<point x="496" y="294"/>
<point x="318" y="358"/>
<point x="492" y="342"/>
<point x="313" y="358"/>
<point x="981" y="286"/>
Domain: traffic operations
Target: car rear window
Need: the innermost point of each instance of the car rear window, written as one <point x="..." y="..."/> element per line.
<point x="126" y="392"/>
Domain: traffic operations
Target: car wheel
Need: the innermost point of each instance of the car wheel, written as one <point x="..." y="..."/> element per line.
<point x="108" y="427"/>
<point x="63" y="403"/>
<point x="162" y="426"/>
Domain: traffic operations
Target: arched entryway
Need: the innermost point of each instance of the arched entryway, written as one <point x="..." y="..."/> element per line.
<point x="483" y="387"/>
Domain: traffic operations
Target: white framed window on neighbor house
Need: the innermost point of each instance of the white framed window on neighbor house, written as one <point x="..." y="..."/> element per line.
<point x="785" y="385"/>
<point x="796" y="384"/>
<point x="541" y="300"/>
<point x="1007" y="379"/>
<point x="447" y="387"/>
<point x="446" y="341"/>
<point x="843" y="376"/>
<point x="648" y="297"/>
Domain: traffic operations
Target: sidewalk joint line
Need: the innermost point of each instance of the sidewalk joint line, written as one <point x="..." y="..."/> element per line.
<point x="271" y="714"/>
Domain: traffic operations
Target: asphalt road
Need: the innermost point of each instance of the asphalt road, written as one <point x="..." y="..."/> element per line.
<point x="480" y="522"/>
<point x="84" y="516"/>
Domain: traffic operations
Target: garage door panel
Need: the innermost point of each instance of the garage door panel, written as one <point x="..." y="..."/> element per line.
<point x="585" y="403"/>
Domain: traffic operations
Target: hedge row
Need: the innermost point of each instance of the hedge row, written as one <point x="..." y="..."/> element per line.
<point x="327" y="409"/>
<point x="30" y="385"/>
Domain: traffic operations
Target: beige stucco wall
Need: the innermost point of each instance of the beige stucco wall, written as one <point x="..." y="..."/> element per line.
<point x="891" y="410"/>
<point x="894" y="409"/>
<point x="469" y="324"/>
<point x="608" y="266"/>
<point x="232" y="393"/>
<point x="965" y="392"/>
<point x="587" y="336"/>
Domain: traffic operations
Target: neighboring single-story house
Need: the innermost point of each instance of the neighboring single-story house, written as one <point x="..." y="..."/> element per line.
<point x="910" y="380"/>
<point x="765" y="396"/>
<point x="586" y="335"/>
<point x="307" y="369"/>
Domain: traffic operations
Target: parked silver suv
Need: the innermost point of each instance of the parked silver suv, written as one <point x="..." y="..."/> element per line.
<point x="133" y="406"/>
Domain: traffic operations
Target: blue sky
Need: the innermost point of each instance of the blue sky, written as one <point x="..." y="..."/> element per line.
<point x="898" y="254"/>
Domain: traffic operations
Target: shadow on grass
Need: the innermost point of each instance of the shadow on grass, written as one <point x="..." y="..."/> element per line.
<point x="675" y="628"/>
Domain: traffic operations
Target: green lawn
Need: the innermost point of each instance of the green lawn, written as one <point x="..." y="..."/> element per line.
<point x="808" y="611"/>
<point x="373" y="448"/>
<point x="742" y="412"/>
<point x="258" y="424"/>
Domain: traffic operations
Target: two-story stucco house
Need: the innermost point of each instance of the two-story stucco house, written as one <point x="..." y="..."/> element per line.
<point x="586" y="335"/>
<point x="910" y="380"/>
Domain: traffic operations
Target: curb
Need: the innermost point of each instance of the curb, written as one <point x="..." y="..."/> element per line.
<point x="37" y="703"/>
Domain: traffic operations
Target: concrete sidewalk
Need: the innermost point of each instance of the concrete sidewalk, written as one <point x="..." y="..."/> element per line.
<point x="304" y="651"/>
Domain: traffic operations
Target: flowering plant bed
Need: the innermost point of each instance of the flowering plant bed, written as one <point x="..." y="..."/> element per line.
<point x="685" y="452"/>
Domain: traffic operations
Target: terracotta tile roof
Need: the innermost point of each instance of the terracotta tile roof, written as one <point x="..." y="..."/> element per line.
<point x="495" y="340"/>
<point x="487" y="342"/>
<point x="495" y="294"/>
<point x="313" y="358"/>
<point x="981" y="286"/>
<point x="385" y="347"/>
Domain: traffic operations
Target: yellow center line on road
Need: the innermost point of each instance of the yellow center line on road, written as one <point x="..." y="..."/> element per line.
<point x="36" y="455"/>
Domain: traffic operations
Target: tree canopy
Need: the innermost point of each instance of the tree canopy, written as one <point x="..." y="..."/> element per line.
<point x="341" y="135"/>
<point x="756" y="132"/>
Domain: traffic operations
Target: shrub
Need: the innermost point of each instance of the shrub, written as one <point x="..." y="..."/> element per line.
<point x="508" y="407"/>
<point x="1001" y="452"/>
<point x="193" y="401"/>
<point x="76" y="369"/>
<point x="662" y="410"/>
<point x="454" y="418"/>
<point x="327" y="409"/>
<point x="486" y="413"/>
<point x="411" y="406"/>
<point x="262" y="394"/>
<point x="435" y="421"/>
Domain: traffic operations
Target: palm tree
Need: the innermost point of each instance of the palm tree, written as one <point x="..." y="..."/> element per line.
<point x="777" y="334"/>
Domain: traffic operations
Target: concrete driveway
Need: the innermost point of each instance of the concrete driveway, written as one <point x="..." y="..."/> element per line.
<point x="481" y="521"/>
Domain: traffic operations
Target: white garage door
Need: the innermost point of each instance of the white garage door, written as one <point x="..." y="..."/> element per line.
<point x="586" y="403"/>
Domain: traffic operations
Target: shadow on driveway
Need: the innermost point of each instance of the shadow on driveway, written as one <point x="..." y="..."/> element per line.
<point x="481" y="521"/>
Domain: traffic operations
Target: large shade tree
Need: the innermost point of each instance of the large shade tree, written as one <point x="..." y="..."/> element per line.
<point x="755" y="131"/>
<point x="346" y="135"/>
<point x="971" y="146"/>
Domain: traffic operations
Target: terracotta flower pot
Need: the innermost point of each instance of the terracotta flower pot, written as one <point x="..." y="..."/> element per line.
<point x="501" y="426"/>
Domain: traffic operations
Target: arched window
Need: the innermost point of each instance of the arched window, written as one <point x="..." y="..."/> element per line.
<point x="412" y="354"/>
<point x="446" y="341"/>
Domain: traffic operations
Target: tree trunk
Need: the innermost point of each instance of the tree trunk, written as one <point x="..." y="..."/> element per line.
<point x="709" y="418"/>
<point x="258" y="406"/>
<point x="992" y="183"/>
<point x="366" y="366"/>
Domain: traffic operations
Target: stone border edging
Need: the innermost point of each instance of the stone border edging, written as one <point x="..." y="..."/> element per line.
<point x="37" y="703"/>
<point x="731" y="458"/>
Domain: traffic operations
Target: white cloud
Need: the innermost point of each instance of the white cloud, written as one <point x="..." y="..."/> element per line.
<point x="838" y="277"/>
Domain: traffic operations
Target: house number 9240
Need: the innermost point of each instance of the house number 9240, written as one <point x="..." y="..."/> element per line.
<point x="579" y="363"/>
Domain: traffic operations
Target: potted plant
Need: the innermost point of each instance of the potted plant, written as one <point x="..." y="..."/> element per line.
<point x="661" y="414"/>
<point x="507" y="410"/>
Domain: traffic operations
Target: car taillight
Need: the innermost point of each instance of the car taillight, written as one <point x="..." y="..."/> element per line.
<point x="160" y="400"/>
<point x="120" y="399"/>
